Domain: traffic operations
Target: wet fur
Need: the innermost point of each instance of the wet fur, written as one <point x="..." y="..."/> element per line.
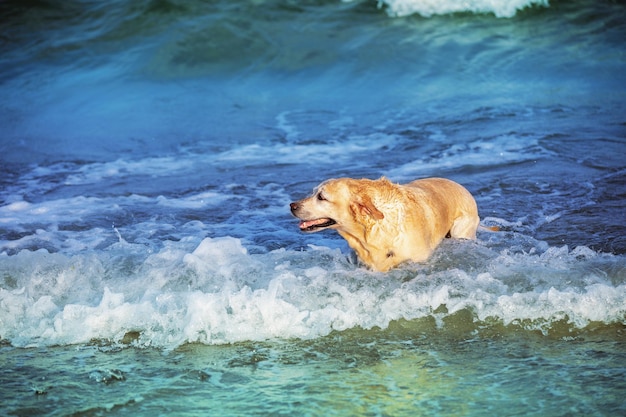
<point x="386" y="223"/>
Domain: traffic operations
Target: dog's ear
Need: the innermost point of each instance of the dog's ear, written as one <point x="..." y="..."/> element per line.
<point x="364" y="206"/>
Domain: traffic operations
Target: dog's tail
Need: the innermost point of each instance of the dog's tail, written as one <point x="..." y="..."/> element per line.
<point x="489" y="228"/>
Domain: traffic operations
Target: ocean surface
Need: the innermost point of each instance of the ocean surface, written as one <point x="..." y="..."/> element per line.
<point x="149" y="264"/>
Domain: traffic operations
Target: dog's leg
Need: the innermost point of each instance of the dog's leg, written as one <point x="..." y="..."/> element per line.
<point x="464" y="227"/>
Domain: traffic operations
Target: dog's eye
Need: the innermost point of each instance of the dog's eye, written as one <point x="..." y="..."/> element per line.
<point x="320" y="197"/>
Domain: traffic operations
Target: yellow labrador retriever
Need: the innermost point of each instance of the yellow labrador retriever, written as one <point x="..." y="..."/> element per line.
<point x="387" y="223"/>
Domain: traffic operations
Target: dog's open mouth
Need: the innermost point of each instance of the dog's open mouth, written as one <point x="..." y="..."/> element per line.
<point x="315" y="225"/>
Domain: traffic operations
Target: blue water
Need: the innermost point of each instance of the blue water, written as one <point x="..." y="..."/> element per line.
<point x="148" y="154"/>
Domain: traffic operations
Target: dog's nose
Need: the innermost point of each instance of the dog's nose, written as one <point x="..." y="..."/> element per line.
<point x="294" y="206"/>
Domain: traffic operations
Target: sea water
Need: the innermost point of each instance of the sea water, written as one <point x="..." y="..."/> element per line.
<point x="149" y="264"/>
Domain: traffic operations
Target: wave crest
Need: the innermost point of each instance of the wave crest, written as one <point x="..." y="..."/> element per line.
<point x="428" y="8"/>
<point x="215" y="292"/>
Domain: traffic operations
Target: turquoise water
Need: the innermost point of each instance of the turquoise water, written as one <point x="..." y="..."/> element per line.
<point x="149" y="263"/>
<point x="412" y="368"/>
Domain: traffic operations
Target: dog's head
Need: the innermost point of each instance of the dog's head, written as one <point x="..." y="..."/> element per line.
<point x="341" y="204"/>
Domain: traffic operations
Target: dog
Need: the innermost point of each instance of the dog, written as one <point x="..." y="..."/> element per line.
<point x="387" y="224"/>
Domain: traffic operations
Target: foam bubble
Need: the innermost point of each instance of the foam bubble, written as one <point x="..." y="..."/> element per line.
<point x="427" y="8"/>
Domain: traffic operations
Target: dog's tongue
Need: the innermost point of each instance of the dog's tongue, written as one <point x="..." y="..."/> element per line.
<point x="305" y="224"/>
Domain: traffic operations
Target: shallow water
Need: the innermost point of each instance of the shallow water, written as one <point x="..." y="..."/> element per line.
<point x="411" y="368"/>
<point x="149" y="151"/>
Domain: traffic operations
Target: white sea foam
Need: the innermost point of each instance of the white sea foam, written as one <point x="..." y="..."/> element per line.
<point x="504" y="149"/>
<point x="213" y="291"/>
<point x="194" y="201"/>
<point x="309" y="153"/>
<point x="427" y="8"/>
<point x="77" y="208"/>
<point x="121" y="168"/>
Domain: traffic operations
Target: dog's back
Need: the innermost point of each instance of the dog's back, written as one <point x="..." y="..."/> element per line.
<point x="417" y="216"/>
<point x="453" y="208"/>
